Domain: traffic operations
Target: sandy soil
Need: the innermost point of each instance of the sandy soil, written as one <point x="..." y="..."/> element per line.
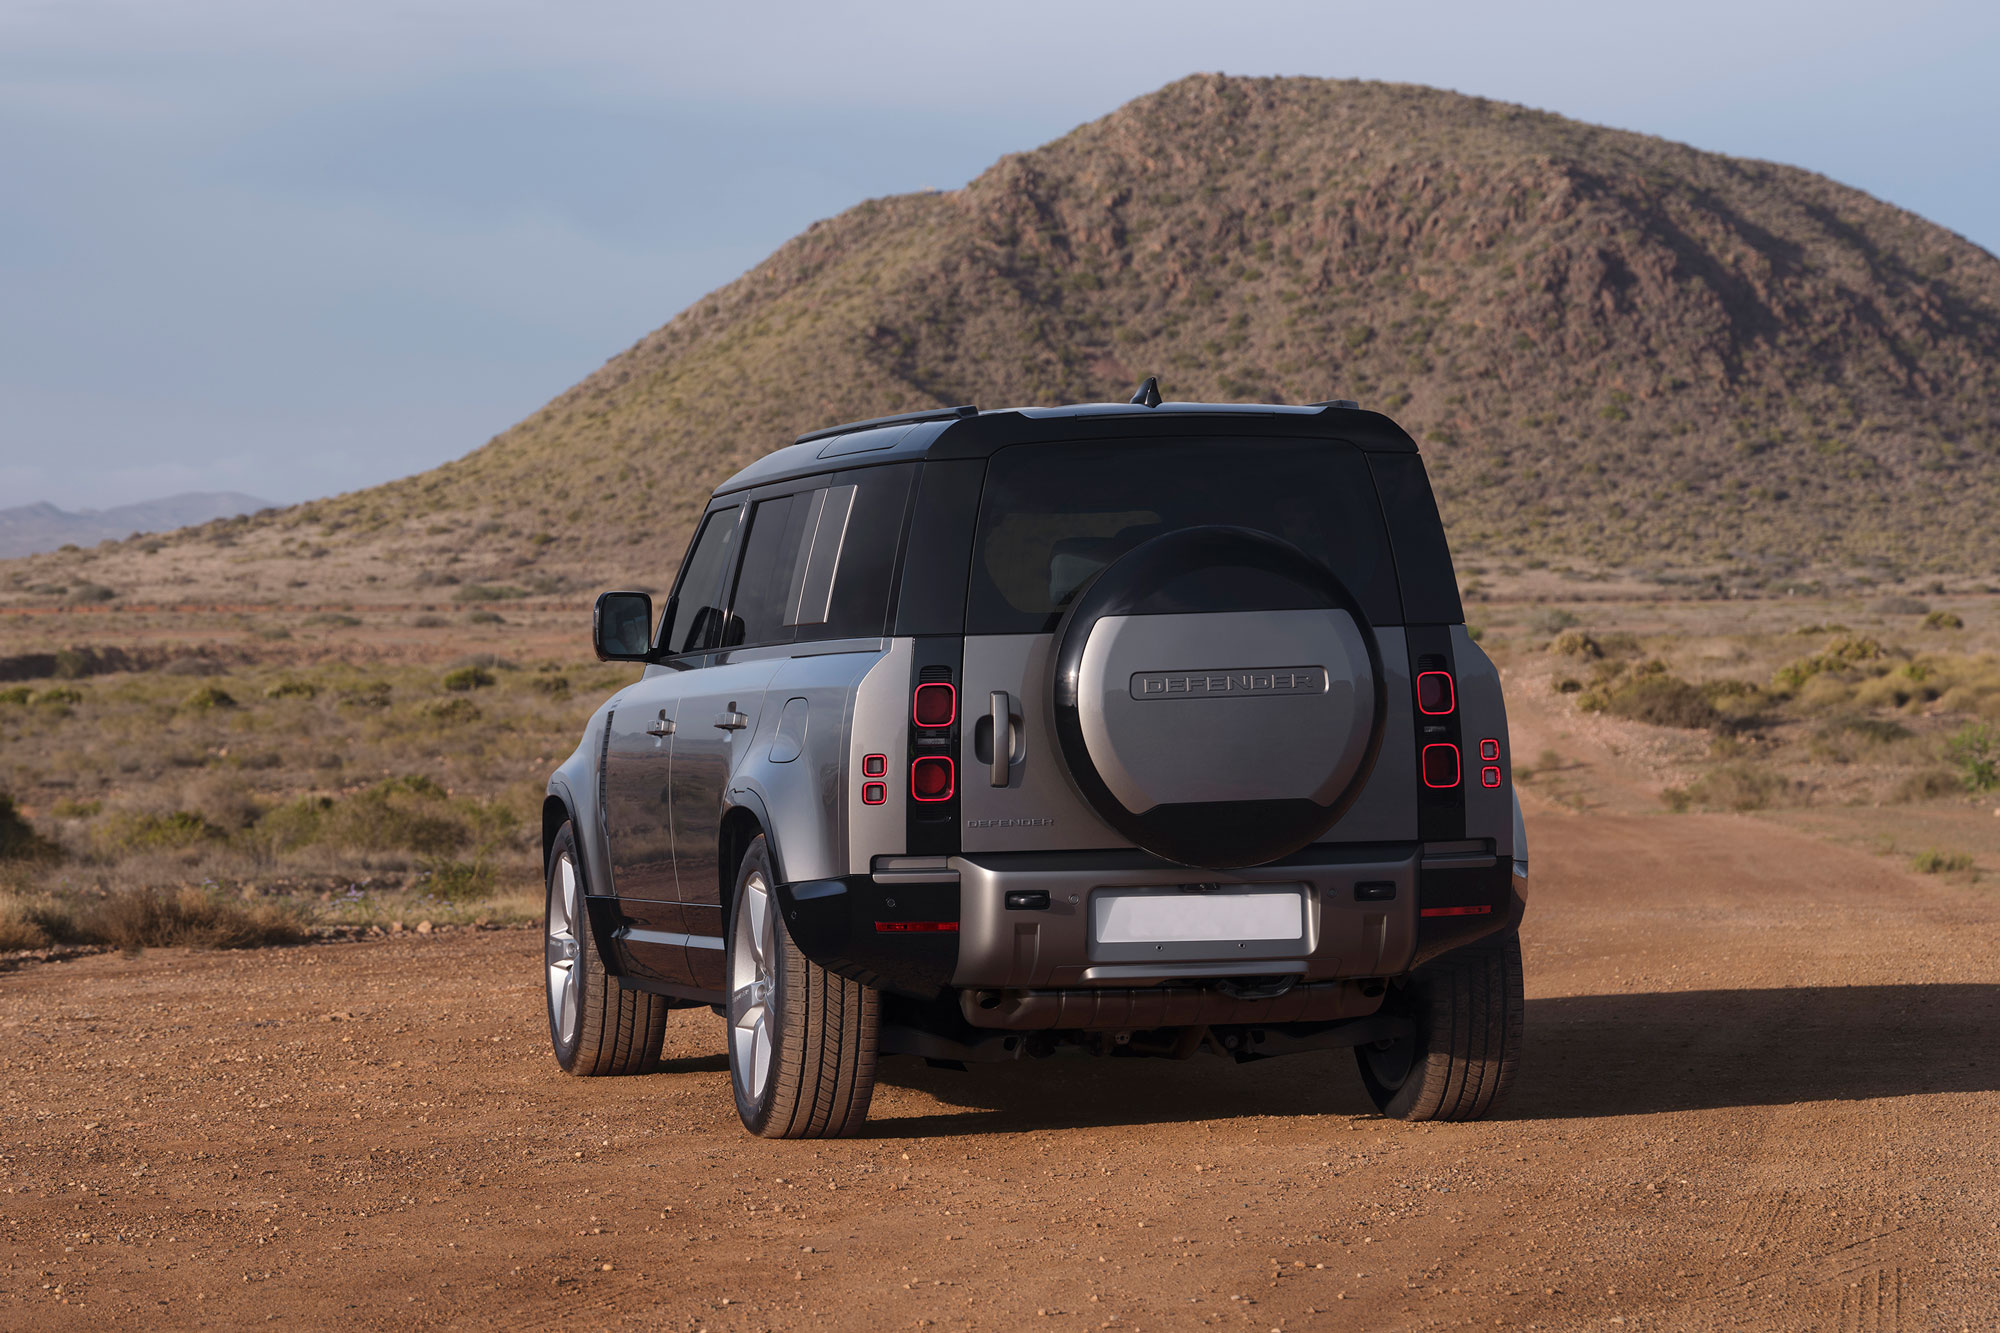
<point x="1762" y="1090"/>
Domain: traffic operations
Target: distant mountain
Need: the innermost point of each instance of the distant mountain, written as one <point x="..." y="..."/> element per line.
<point x="29" y="529"/>
<point x="1617" y="352"/>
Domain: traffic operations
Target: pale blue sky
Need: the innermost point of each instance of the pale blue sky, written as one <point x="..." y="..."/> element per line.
<point x="294" y="249"/>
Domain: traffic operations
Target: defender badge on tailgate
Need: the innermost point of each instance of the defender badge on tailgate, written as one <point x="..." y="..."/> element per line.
<point x="1230" y="682"/>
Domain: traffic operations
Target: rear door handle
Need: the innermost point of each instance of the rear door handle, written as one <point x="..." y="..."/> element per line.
<point x="732" y="720"/>
<point x="1003" y="738"/>
<point x="663" y="726"/>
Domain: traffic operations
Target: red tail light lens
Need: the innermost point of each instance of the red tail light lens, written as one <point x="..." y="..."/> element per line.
<point x="1435" y="693"/>
<point x="936" y="705"/>
<point x="932" y="778"/>
<point x="1441" y="765"/>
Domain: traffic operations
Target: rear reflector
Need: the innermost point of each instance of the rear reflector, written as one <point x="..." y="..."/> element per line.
<point x="915" y="927"/>
<point x="874" y="793"/>
<point x="1489" y="749"/>
<point x="875" y="766"/>
<point x="1489" y="776"/>
<point x="1435" y="693"/>
<point x="1441" y="768"/>
<point x="936" y="705"/>
<point x="932" y="778"/>
<point x="1481" y="910"/>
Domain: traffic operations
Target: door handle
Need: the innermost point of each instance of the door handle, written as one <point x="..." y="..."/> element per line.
<point x="664" y="726"/>
<point x="1003" y="738"/>
<point x="731" y="720"/>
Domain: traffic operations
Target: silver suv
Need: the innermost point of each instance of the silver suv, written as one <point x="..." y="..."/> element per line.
<point x="1144" y="729"/>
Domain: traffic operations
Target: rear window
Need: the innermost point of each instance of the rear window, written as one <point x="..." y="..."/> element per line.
<point x="1052" y="515"/>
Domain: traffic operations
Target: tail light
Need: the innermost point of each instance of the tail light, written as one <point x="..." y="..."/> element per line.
<point x="932" y="778"/>
<point x="1436" y="696"/>
<point x="935" y="705"/>
<point x="1441" y="767"/>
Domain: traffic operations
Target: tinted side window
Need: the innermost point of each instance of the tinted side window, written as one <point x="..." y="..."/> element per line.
<point x="692" y="622"/>
<point x="1054" y="515"/>
<point x="864" y="573"/>
<point x="757" y="613"/>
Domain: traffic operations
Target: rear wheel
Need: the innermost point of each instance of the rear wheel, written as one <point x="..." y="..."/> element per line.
<point x="802" y="1040"/>
<point x="595" y="1024"/>
<point x="1461" y="1060"/>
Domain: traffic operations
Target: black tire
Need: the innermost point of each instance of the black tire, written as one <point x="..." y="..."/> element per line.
<point x="815" y="1072"/>
<point x="1467" y="1007"/>
<point x="611" y="1030"/>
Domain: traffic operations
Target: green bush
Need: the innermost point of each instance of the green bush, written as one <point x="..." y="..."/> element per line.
<point x="453" y="712"/>
<point x="207" y="699"/>
<point x="467" y="678"/>
<point x="1935" y="862"/>
<point x="1740" y="786"/>
<point x="19" y="694"/>
<point x="187" y="918"/>
<point x="460" y="881"/>
<point x="1943" y="620"/>
<point x="486" y="592"/>
<point x="293" y="689"/>
<point x="58" y="696"/>
<point x="1974" y="751"/>
<point x="1838" y="656"/>
<point x="152" y="831"/>
<point x="1648" y="693"/>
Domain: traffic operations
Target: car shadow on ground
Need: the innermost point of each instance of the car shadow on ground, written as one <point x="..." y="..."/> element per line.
<point x="1605" y="1055"/>
<point x="1586" y="1055"/>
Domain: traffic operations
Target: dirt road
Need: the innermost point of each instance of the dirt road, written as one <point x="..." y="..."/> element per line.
<point x="1762" y="1090"/>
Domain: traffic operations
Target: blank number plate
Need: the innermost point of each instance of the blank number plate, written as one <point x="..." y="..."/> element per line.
<point x="1154" y="917"/>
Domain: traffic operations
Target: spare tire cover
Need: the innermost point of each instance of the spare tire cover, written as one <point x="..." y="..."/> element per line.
<point x="1218" y="696"/>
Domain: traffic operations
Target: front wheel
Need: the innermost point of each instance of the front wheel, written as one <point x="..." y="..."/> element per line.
<point x="802" y="1040"/>
<point x="595" y="1024"/>
<point x="1460" y="1062"/>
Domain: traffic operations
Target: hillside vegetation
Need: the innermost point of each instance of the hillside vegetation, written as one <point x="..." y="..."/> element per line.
<point x="1618" y="352"/>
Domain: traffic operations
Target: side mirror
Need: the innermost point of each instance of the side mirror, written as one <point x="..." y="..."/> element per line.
<point x="621" y="627"/>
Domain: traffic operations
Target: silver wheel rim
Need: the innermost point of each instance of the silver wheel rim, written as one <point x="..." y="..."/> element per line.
<point x="561" y="951"/>
<point x="751" y="989"/>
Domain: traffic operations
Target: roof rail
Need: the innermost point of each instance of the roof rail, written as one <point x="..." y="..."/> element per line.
<point x="900" y="419"/>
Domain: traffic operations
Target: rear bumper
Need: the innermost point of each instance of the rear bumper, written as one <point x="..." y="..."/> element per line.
<point x="922" y="927"/>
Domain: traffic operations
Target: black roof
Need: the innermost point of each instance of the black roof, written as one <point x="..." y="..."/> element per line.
<point x="966" y="432"/>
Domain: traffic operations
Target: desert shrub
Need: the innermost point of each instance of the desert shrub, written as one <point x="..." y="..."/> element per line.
<point x="460" y="881"/>
<point x="188" y="918"/>
<point x="58" y="696"/>
<point x="91" y="592"/>
<point x="373" y="694"/>
<point x="1842" y="655"/>
<point x="207" y="699"/>
<point x="72" y="809"/>
<point x="467" y="678"/>
<point x="1974" y="750"/>
<point x="156" y="831"/>
<point x="452" y="712"/>
<point x="1899" y="606"/>
<point x="484" y="618"/>
<point x="18" y="839"/>
<point x="293" y="689"/>
<point x="407" y="814"/>
<point x="555" y="686"/>
<point x="1649" y="693"/>
<point x="1567" y="685"/>
<point x="430" y="622"/>
<point x="1932" y="861"/>
<point x="71" y="664"/>
<point x="1943" y="620"/>
<point x="18" y="927"/>
<point x="1576" y="643"/>
<point x="1739" y="786"/>
<point x="336" y="619"/>
<point x="273" y="632"/>
<point x="1928" y="785"/>
<point x="1553" y="621"/>
<point x="17" y="695"/>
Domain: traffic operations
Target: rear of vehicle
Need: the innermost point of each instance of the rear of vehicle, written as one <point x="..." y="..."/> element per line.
<point x="1181" y="745"/>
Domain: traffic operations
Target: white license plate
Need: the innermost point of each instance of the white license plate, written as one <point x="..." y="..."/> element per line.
<point x="1167" y="917"/>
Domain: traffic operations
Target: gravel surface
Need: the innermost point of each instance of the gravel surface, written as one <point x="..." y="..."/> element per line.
<point x="1761" y="1089"/>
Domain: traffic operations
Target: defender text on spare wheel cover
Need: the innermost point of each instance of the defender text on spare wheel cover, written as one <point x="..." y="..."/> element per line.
<point x="1137" y="729"/>
<point x="1256" y="757"/>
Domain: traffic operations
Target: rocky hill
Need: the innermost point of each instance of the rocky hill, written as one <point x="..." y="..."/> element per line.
<point x="1618" y="352"/>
